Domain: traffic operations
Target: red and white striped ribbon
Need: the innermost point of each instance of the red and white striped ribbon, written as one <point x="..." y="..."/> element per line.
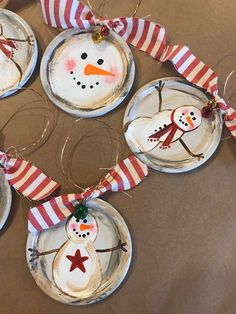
<point x="124" y="176"/>
<point x="26" y="178"/>
<point x="143" y="35"/>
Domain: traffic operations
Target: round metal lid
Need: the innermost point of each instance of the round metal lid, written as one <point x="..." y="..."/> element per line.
<point x="84" y="78"/>
<point x="18" y="52"/>
<point x="5" y="199"/>
<point x="164" y="127"/>
<point x="79" y="271"/>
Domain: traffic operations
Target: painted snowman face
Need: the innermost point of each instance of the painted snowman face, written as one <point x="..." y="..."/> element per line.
<point x="187" y="118"/>
<point x="82" y="229"/>
<point x="86" y="74"/>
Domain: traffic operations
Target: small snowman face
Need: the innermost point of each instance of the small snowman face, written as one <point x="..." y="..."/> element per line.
<point x="86" y="74"/>
<point x="82" y="229"/>
<point x="187" y="118"/>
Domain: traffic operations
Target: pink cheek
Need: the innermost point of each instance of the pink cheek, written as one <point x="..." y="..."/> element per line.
<point x="114" y="78"/>
<point x="70" y="65"/>
<point x="73" y="226"/>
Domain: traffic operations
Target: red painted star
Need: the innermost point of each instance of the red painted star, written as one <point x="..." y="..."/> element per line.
<point x="77" y="261"/>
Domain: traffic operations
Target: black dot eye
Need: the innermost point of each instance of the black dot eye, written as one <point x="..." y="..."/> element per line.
<point x="87" y="233"/>
<point x="183" y="113"/>
<point x="100" y="61"/>
<point x="74" y="229"/>
<point x="77" y="220"/>
<point x="84" y="55"/>
<point x="194" y="118"/>
<point x="85" y="221"/>
<point x="192" y="113"/>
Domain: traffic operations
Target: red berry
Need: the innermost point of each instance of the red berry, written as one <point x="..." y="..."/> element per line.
<point x="207" y="111"/>
<point x="105" y="31"/>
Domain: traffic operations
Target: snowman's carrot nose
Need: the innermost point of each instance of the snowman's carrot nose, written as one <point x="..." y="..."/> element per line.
<point x="93" y="70"/>
<point x="189" y="120"/>
<point x="85" y="227"/>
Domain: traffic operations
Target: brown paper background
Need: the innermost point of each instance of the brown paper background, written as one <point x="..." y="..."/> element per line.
<point x="183" y="226"/>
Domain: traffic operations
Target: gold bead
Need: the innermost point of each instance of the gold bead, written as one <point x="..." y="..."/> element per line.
<point x="97" y="37"/>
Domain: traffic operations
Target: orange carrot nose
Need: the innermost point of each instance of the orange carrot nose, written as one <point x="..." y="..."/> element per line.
<point x="85" y="227"/>
<point x="93" y="70"/>
<point x="189" y="120"/>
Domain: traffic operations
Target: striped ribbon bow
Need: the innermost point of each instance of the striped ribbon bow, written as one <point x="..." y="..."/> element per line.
<point x="143" y="35"/>
<point x="124" y="176"/>
<point x="26" y="178"/>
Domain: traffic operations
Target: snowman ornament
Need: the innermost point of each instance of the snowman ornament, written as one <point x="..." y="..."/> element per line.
<point x="165" y="127"/>
<point x="76" y="267"/>
<point x="86" y="78"/>
<point x="11" y="72"/>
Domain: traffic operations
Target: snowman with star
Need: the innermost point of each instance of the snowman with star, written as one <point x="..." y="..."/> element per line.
<point x="76" y="267"/>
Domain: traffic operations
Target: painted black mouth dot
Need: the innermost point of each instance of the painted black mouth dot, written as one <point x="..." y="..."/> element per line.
<point x="186" y="124"/>
<point x="71" y="72"/>
<point x="78" y="83"/>
<point x="165" y="125"/>
<point x="80" y="235"/>
<point x="160" y="127"/>
<point x="84" y="235"/>
<point x="91" y="86"/>
<point x="180" y="120"/>
<point x="77" y="232"/>
<point x="87" y="233"/>
<point x="97" y="83"/>
<point x="74" y="229"/>
<point x="74" y="78"/>
<point x="83" y="86"/>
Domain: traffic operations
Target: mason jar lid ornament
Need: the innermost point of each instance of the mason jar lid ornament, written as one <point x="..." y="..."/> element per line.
<point x="79" y="247"/>
<point x="5" y="199"/>
<point x="18" y="52"/>
<point x="89" y="70"/>
<point x="166" y="129"/>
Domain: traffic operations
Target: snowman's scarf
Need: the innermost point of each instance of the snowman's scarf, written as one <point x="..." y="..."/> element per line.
<point x="124" y="176"/>
<point x="171" y="128"/>
<point x="143" y="35"/>
<point x="26" y="178"/>
<point x="6" y="47"/>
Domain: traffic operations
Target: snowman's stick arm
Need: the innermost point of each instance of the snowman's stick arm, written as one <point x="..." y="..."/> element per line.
<point x="35" y="253"/>
<point x="29" y="39"/>
<point x="159" y="89"/>
<point x="120" y="245"/>
<point x="199" y="156"/>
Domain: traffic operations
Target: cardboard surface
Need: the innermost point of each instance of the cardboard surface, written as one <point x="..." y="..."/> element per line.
<point x="182" y="226"/>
